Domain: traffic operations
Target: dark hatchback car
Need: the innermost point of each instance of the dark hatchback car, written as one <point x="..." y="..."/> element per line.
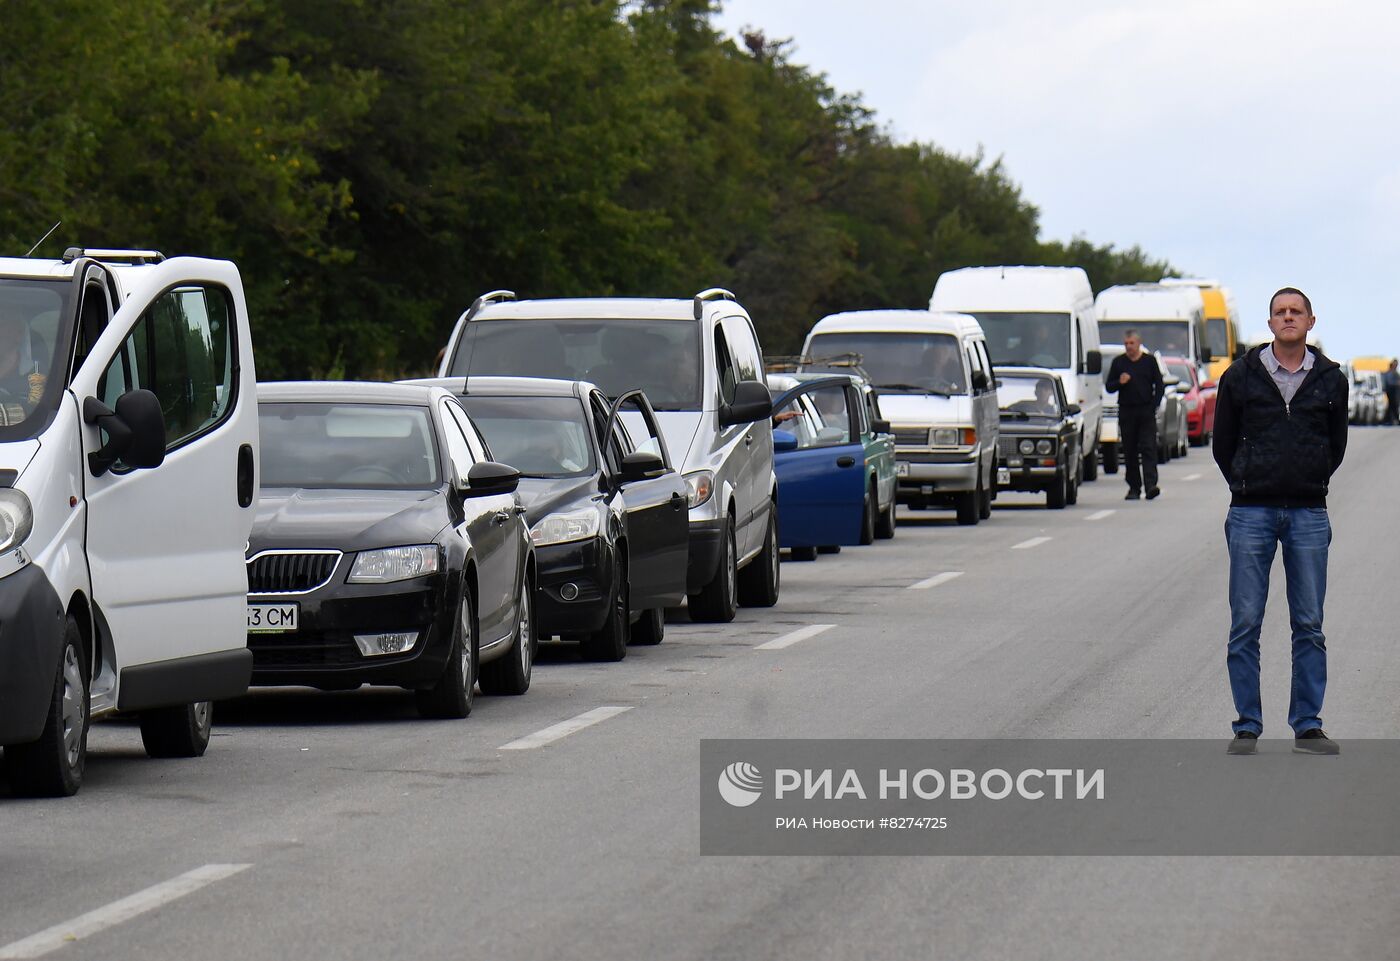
<point x="388" y="548"/>
<point x="607" y="512"/>
<point x="1038" y="449"/>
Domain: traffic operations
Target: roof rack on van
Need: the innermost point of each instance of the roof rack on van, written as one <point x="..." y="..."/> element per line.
<point x="492" y="297"/>
<point x="113" y="255"/>
<point x="790" y="363"/>
<point x="712" y="293"/>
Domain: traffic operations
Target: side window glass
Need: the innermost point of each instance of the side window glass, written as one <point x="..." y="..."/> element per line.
<point x="835" y="412"/>
<point x="457" y="450"/>
<point x="747" y="361"/>
<point x="182" y="351"/>
<point x="476" y="444"/>
<point x="853" y="400"/>
<point x="724" y="367"/>
<point x="93" y="316"/>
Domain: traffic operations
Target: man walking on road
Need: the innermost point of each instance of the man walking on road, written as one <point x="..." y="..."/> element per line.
<point x="1137" y="380"/>
<point x="1280" y="434"/>
<point x="1391" y="380"/>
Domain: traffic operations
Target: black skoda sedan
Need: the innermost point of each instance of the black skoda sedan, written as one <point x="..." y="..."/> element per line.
<point x="607" y="513"/>
<point x="1038" y="449"/>
<point x="388" y="548"/>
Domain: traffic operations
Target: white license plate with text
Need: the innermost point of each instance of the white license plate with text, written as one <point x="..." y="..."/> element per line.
<point x="272" y="618"/>
<point x="901" y="468"/>
<point x="1003" y="475"/>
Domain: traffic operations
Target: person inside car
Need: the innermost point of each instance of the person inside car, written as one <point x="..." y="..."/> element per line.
<point x="21" y="381"/>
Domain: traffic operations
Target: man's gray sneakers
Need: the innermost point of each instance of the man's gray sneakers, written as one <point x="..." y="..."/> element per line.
<point x="1245" y="742"/>
<point x="1315" y="741"/>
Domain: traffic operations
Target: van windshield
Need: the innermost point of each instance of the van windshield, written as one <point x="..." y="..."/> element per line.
<point x="900" y="361"/>
<point x="662" y="357"/>
<point x="347" y="446"/>
<point x="1026" y="339"/>
<point x="1159" y="336"/>
<point x="32" y="314"/>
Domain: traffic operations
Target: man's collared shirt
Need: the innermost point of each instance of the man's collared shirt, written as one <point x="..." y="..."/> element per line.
<point x="1288" y="381"/>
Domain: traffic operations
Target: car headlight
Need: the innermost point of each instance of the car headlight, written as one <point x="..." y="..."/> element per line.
<point x="16" y="518"/>
<point x="564" y="527"/>
<point x="945" y="437"/>
<point x="394" y="564"/>
<point x="699" y="485"/>
<point x="1027" y="447"/>
<point x="1045" y="447"/>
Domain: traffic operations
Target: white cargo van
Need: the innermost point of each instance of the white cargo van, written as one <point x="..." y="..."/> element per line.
<point x="1170" y="319"/>
<point x="128" y="445"/>
<point x="1038" y="317"/>
<point x="935" y="384"/>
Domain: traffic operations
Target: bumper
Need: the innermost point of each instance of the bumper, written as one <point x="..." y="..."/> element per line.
<point x="1026" y="478"/>
<point x="1195" y="424"/>
<point x="322" y="651"/>
<point x="32" y="625"/>
<point x="588" y="566"/>
<point x="924" y="476"/>
<point x="703" y="559"/>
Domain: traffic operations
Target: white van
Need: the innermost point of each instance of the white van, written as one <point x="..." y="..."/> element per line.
<point x="1038" y="317"/>
<point x="1170" y="319"/>
<point x="128" y="452"/>
<point x="934" y="380"/>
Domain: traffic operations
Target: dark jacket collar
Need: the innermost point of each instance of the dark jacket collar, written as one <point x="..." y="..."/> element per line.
<point x="1321" y="362"/>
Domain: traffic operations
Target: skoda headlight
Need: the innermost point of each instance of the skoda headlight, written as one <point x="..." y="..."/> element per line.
<point x="699" y="485"/>
<point x="16" y="519"/>
<point x="565" y="527"/>
<point x="394" y="564"/>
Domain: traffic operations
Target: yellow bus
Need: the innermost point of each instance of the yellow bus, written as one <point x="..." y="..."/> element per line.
<point x="1222" y="321"/>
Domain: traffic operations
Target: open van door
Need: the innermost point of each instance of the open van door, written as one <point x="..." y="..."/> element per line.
<point x="169" y="437"/>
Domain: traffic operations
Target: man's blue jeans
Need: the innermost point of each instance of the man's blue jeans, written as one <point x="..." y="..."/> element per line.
<point x="1253" y="534"/>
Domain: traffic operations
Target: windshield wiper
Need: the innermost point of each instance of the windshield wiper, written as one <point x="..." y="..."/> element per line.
<point x="913" y="387"/>
<point x="1017" y="414"/>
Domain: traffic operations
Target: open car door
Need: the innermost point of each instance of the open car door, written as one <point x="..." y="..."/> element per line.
<point x="820" y="462"/>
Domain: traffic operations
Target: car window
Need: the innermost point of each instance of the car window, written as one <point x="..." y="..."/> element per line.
<point x="182" y="351"/>
<point x="348" y="446"/>
<point x="725" y="370"/>
<point x="898" y="361"/>
<point x="1030" y="395"/>
<point x="476" y="441"/>
<point x="538" y="436"/>
<point x="459" y="452"/>
<point x="833" y="406"/>
<point x="744" y="347"/>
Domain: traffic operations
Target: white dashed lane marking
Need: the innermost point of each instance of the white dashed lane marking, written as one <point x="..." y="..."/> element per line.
<point x="86" y="925"/>
<point x="1099" y="515"/>
<point x="787" y="640"/>
<point x="1027" y="545"/>
<point x="935" y="580"/>
<point x="563" y="729"/>
<point x="1191" y="477"/>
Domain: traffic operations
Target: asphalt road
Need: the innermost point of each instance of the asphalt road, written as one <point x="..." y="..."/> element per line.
<point x="354" y="830"/>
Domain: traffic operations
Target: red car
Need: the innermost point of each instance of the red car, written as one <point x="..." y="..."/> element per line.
<point x="1198" y="395"/>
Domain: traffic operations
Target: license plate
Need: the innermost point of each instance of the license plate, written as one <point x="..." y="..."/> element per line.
<point x="272" y="618"/>
<point x="1003" y="475"/>
<point x="901" y="468"/>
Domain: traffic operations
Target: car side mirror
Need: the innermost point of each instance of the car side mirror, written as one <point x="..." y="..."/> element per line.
<point x="1171" y="381"/>
<point x="1093" y="362"/>
<point x="1209" y="385"/>
<point x="489" y="477"/>
<point x="641" y="465"/>
<point x="1206" y="355"/>
<point x="881" y="427"/>
<point x="980" y="381"/>
<point x="784" y="440"/>
<point x="1073" y="409"/>
<point x="135" y="432"/>
<point x="752" y="402"/>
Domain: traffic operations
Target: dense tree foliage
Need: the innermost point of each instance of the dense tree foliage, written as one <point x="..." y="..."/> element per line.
<point x="372" y="165"/>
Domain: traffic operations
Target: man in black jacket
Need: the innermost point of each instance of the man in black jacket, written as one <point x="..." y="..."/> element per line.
<point x="1280" y="434"/>
<point x="1137" y="380"/>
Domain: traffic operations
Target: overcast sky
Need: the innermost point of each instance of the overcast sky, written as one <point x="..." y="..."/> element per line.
<point x="1255" y="141"/>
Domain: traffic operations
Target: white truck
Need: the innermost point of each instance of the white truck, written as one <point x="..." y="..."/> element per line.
<point x="1038" y="317"/>
<point x="128" y="480"/>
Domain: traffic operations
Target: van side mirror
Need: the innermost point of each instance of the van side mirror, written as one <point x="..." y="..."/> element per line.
<point x="783" y="440"/>
<point x="1206" y="355"/>
<point x="980" y="381"/>
<point x="1073" y="409"/>
<point x="881" y="427"/>
<point x="489" y="477"/>
<point x="135" y="432"/>
<point x="640" y="465"/>
<point x="1093" y="362"/>
<point x="752" y="402"/>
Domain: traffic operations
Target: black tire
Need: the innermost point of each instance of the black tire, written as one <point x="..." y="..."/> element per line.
<point x="179" y="731"/>
<point x="984" y="509"/>
<point x="510" y="673"/>
<point x="867" y="516"/>
<point x="804" y="553"/>
<point x="650" y="627"/>
<point x="609" y="643"/>
<point x="1110" y="459"/>
<point x="53" y="765"/>
<point x="1072" y="488"/>
<point x="1089" y="464"/>
<point x="829" y="549"/>
<point x="759" y="582"/>
<point x="969" y="505"/>
<point x="717" y="602"/>
<point x="886" y="523"/>
<point x="1058" y="492"/>
<point x="455" y="692"/>
<point x="1163" y="454"/>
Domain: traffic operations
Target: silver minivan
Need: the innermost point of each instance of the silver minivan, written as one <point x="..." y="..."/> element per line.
<point x="701" y="366"/>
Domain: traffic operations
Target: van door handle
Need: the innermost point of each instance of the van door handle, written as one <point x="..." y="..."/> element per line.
<point x="245" y="475"/>
<point x="845" y="461"/>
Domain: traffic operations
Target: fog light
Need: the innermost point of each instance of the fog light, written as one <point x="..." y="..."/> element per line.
<point x="374" y="645"/>
<point x="569" y="592"/>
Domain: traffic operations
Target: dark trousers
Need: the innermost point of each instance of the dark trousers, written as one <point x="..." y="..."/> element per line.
<point x="1392" y="413"/>
<point x="1138" y="425"/>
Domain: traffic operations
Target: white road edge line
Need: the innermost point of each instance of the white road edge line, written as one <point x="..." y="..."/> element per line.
<point x="563" y="729"/>
<point x="935" y="580"/>
<point x="787" y="640"/>
<point x="1026" y="545"/>
<point x="86" y="925"/>
<point x="1191" y="477"/>
<point x="1099" y="515"/>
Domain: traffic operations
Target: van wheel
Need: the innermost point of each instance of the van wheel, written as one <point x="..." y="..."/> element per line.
<point x="969" y="505"/>
<point x="179" y="731"/>
<point x="510" y="673"/>
<point x="867" y="516"/>
<point x="1090" y="464"/>
<point x="1110" y="459"/>
<point x="610" y="642"/>
<point x="717" y="602"/>
<point x="1072" y="488"/>
<point x="759" y="582"/>
<point x="984" y="509"/>
<point x="886" y="523"/>
<point x="455" y="692"/>
<point x="53" y="765"/>
<point x="650" y="627"/>
<point x="1057" y="493"/>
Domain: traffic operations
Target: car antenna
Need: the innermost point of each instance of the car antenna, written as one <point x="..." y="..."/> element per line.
<point x="43" y="238"/>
